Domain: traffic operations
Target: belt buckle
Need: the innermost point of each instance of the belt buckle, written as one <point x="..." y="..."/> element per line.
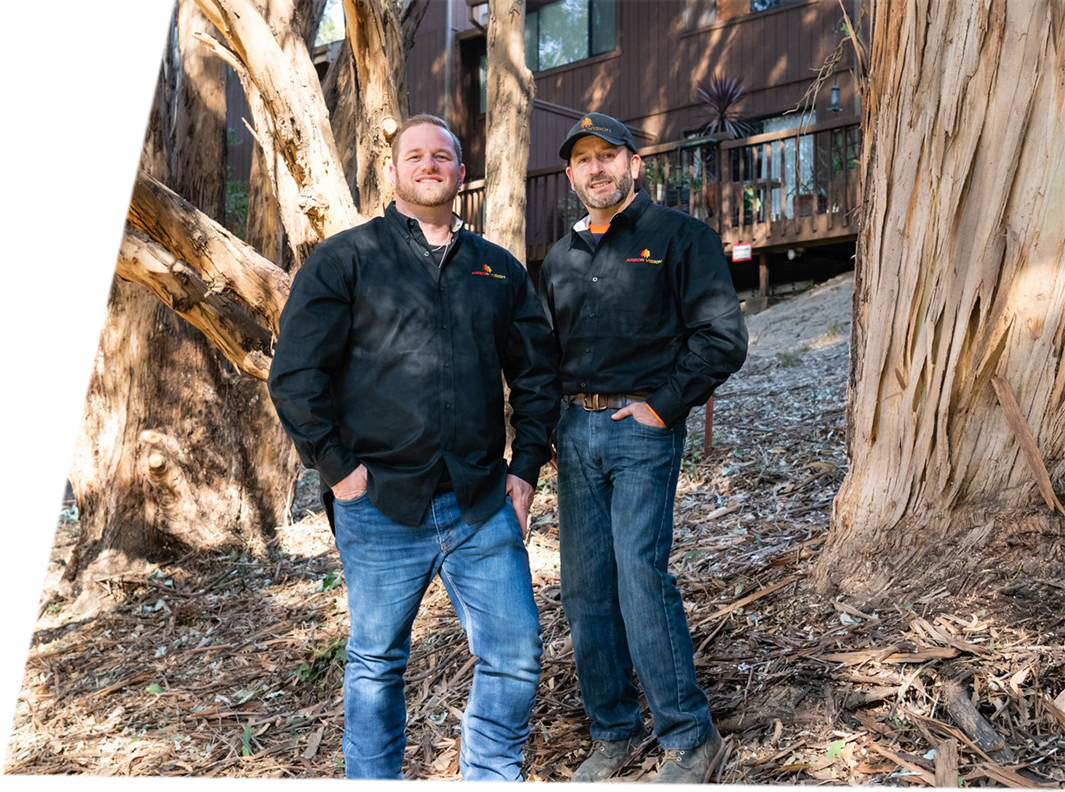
<point x="595" y="406"/>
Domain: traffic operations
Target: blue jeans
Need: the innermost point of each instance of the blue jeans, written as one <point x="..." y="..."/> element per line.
<point x="616" y="483"/>
<point x="387" y="568"/>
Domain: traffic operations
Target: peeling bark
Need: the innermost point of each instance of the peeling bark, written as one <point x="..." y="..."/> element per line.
<point x="960" y="279"/>
<point x="510" y="93"/>
<point x="291" y="125"/>
<point x="294" y="23"/>
<point x="199" y="131"/>
<point x="380" y="95"/>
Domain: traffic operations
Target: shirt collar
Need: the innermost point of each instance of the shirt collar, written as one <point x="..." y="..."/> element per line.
<point x="635" y="208"/>
<point x="412" y="224"/>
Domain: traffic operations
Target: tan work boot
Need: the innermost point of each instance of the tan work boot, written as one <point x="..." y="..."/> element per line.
<point x="607" y="756"/>
<point x="692" y="765"/>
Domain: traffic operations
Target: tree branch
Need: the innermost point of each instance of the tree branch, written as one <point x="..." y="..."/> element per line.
<point x="410" y="18"/>
<point x="380" y="94"/>
<point x="223" y="321"/>
<point x="225" y="264"/>
<point x="290" y="109"/>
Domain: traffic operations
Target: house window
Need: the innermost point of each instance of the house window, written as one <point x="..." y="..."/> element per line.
<point x="569" y="30"/>
<point x="765" y="5"/>
<point x="699" y="13"/>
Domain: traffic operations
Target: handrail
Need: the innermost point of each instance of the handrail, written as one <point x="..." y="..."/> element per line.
<point x="769" y="137"/>
<point x="776" y="189"/>
<point x="726" y="144"/>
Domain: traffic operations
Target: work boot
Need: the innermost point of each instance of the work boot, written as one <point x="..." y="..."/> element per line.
<point x="692" y="765"/>
<point x="607" y="756"/>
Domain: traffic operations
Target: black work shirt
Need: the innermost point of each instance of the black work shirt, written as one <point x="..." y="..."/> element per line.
<point x="388" y="359"/>
<point x="651" y="307"/>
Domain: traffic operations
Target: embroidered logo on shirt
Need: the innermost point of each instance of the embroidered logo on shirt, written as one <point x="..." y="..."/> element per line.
<point x="488" y="271"/>
<point x="645" y="258"/>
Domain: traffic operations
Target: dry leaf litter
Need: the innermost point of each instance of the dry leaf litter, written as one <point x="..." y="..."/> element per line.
<point x="231" y="665"/>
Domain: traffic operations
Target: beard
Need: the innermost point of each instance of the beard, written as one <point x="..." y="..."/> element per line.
<point x="623" y="186"/>
<point x="426" y="194"/>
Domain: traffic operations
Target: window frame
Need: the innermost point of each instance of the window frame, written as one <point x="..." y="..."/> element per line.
<point x="589" y="37"/>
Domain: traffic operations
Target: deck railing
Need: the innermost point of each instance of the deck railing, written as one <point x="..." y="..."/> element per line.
<point x="775" y="189"/>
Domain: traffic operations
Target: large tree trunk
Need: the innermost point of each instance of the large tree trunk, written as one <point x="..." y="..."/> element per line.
<point x="379" y="77"/>
<point x="294" y="24"/>
<point x="177" y="451"/>
<point x="510" y="94"/>
<point x="959" y="304"/>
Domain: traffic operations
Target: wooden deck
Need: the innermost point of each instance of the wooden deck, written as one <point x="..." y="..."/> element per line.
<point x="796" y="187"/>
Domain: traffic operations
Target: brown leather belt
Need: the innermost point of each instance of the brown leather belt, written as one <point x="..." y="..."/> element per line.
<point x="597" y="402"/>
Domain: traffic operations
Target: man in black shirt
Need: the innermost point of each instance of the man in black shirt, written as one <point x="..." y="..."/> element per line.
<point x="387" y="377"/>
<point x="648" y="324"/>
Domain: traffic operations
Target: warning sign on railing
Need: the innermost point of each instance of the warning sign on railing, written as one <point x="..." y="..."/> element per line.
<point x="741" y="251"/>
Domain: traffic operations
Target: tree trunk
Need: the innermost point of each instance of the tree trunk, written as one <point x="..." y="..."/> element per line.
<point x="294" y="24"/>
<point x="177" y="451"/>
<point x="380" y="95"/>
<point x="959" y="304"/>
<point x="510" y="94"/>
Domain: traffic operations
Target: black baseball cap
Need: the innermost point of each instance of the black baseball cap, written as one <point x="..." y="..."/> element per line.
<point x="602" y="126"/>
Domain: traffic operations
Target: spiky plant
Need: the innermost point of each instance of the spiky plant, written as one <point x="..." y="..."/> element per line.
<point x="722" y="96"/>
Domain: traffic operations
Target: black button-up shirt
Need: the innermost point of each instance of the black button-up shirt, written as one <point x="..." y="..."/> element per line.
<point x="651" y="307"/>
<point x="388" y="359"/>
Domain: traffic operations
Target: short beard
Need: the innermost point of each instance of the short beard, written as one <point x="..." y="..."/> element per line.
<point x="624" y="187"/>
<point x="426" y="195"/>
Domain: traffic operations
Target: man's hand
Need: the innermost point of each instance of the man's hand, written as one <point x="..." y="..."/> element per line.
<point x="521" y="495"/>
<point x="640" y="413"/>
<point x="352" y="485"/>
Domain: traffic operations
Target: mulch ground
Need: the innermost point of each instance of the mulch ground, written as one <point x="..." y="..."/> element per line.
<point x="231" y="665"/>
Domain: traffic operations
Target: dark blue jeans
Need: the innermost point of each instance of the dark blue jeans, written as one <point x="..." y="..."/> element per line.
<point x="616" y="483"/>
<point x="387" y="568"/>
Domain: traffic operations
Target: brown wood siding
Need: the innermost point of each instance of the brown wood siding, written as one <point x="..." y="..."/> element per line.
<point x="649" y="80"/>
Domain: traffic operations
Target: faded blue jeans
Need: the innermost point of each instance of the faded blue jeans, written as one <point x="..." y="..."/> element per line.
<point x="387" y="568"/>
<point x="616" y="484"/>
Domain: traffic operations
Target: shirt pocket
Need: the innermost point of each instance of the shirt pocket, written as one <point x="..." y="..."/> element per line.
<point x="642" y="297"/>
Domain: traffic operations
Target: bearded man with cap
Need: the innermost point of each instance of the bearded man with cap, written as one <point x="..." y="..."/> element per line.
<point x="648" y="326"/>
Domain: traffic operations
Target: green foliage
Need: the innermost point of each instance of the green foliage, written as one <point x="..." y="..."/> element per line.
<point x="155" y="687"/>
<point x="245" y="742"/>
<point x="331" y="27"/>
<point x="237" y="207"/>
<point x="834" y="749"/>
<point x="17" y="244"/>
<point x="23" y="422"/>
<point x="331" y="581"/>
<point x="325" y="666"/>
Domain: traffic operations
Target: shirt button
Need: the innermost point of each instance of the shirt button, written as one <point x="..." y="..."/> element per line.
<point x="447" y="405"/>
<point x="595" y="280"/>
<point x="447" y="365"/>
<point x="443" y="327"/>
<point x="588" y="349"/>
<point x="425" y="253"/>
<point x="584" y="384"/>
<point x="591" y="315"/>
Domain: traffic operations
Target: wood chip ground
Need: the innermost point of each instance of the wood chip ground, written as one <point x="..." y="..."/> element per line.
<point x="231" y="666"/>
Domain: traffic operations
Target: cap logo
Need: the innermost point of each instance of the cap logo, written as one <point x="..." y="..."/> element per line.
<point x="586" y="122"/>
